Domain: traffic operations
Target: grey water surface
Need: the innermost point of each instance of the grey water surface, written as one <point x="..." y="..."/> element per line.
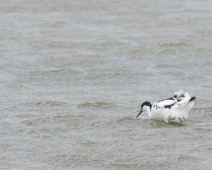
<point x="73" y="75"/>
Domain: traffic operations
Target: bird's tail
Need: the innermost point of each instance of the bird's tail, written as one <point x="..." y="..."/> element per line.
<point x="192" y="99"/>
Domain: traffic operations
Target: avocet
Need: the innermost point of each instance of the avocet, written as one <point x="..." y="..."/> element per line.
<point x="174" y="109"/>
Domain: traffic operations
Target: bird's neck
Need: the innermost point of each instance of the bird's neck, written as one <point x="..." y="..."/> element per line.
<point x="148" y="109"/>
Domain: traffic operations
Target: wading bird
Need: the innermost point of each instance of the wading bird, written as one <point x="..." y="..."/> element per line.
<point x="175" y="108"/>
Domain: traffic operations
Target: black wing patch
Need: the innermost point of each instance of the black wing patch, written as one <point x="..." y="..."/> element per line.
<point x="169" y="106"/>
<point x="193" y="98"/>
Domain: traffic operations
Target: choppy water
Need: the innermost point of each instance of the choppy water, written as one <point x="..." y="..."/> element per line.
<point x="74" y="73"/>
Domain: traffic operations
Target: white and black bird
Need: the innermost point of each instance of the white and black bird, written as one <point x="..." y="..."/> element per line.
<point x="174" y="109"/>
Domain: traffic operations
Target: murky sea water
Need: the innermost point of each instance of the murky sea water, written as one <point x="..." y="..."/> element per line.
<point x="74" y="73"/>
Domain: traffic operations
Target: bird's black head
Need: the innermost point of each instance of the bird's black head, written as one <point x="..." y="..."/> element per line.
<point x="144" y="104"/>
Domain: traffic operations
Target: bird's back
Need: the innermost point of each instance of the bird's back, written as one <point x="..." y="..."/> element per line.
<point x="173" y="108"/>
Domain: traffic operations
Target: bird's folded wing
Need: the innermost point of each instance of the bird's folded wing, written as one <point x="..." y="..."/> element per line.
<point x="165" y="103"/>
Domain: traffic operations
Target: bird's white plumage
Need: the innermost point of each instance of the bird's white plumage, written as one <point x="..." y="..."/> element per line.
<point x="175" y="108"/>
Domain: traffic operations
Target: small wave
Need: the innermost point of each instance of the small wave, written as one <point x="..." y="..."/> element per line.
<point x="209" y="148"/>
<point x="44" y="103"/>
<point x="185" y="157"/>
<point x="207" y="109"/>
<point x="203" y="129"/>
<point x="19" y="86"/>
<point x="145" y="123"/>
<point x="202" y="112"/>
<point x="172" y="44"/>
<point x="52" y="70"/>
<point x="125" y="120"/>
<point x="95" y="104"/>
